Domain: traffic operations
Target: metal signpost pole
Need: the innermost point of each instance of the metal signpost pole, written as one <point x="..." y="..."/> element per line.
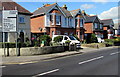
<point x="3" y="31"/>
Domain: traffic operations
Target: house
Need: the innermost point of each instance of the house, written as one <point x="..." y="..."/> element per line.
<point x="108" y="28"/>
<point x="23" y="21"/>
<point x="51" y="19"/>
<point x="117" y="29"/>
<point x="93" y="25"/>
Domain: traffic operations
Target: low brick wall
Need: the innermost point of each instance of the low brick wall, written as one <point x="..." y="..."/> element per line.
<point x="29" y="51"/>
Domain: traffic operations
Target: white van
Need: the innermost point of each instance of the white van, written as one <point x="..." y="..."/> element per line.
<point x="70" y="38"/>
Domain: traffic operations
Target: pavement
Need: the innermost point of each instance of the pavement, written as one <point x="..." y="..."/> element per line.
<point x="23" y="59"/>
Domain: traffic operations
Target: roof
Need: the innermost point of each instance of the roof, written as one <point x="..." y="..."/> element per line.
<point x="43" y="9"/>
<point x="47" y="7"/>
<point x="74" y="12"/>
<point x="67" y="13"/>
<point x="12" y="5"/>
<point x="107" y="21"/>
<point x="90" y="18"/>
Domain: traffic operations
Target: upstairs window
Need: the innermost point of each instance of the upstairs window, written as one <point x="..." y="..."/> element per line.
<point x="76" y="22"/>
<point x="101" y="27"/>
<point x="95" y="26"/>
<point x="52" y="19"/>
<point x="58" y="20"/>
<point x="81" y="23"/>
<point x="21" y="20"/>
<point x="65" y="21"/>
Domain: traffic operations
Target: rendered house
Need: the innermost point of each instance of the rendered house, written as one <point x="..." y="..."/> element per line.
<point x="117" y="29"/>
<point x="108" y="28"/>
<point x="51" y="19"/>
<point x="23" y="28"/>
<point x="93" y="25"/>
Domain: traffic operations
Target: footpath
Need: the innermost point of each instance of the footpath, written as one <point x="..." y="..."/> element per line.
<point x="36" y="58"/>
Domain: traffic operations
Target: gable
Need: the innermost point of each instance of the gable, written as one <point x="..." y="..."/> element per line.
<point x="56" y="9"/>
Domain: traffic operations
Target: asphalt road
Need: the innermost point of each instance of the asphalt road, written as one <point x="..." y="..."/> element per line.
<point x="103" y="62"/>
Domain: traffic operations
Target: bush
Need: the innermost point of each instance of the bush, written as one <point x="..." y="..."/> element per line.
<point x="46" y="39"/>
<point x="58" y="39"/>
<point x="93" y="39"/>
<point x="110" y="41"/>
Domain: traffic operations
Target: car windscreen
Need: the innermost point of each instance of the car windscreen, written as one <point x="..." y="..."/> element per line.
<point x="72" y="38"/>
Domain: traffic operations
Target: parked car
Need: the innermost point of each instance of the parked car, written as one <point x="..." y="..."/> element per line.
<point x="70" y="38"/>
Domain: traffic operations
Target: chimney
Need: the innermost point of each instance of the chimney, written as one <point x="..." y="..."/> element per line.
<point x="64" y="6"/>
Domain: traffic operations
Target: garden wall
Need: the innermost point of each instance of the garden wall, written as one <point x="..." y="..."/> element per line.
<point x="29" y="51"/>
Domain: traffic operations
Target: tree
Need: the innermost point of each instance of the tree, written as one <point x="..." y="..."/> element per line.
<point x="46" y="39"/>
<point x="93" y="39"/>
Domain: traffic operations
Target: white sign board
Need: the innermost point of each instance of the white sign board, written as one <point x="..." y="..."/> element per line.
<point x="9" y="20"/>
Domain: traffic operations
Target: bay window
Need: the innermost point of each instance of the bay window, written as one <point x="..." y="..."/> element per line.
<point x="81" y="22"/>
<point x="58" y="20"/>
<point x="52" y="19"/>
<point x="95" y="25"/>
<point x="101" y="27"/>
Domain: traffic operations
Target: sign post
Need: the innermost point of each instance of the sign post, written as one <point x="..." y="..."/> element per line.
<point x="9" y="23"/>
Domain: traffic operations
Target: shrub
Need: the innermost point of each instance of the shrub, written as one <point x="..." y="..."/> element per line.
<point x="93" y="39"/>
<point x="67" y="42"/>
<point x="109" y="41"/>
<point x="58" y="39"/>
<point x="46" y="39"/>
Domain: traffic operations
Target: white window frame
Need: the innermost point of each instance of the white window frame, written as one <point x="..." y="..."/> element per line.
<point x="101" y="26"/>
<point x="81" y="23"/>
<point x="95" y="25"/>
<point x="59" y="18"/>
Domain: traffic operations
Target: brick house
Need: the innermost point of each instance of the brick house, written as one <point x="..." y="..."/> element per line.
<point x="51" y="19"/>
<point x="93" y="25"/>
<point x="108" y="28"/>
<point x="23" y="28"/>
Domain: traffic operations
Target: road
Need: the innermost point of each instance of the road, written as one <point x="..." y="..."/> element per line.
<point x="103" y="62"/>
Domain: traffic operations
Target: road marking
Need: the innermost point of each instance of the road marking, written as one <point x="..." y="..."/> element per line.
<point x="114" y="53"/>
<point x="27" y="62"/>
<point x="46" y="73"/>
<point x="91" y="60"/>
<point x="2" y="66"/>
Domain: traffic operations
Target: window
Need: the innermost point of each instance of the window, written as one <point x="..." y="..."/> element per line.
<point x="65" y="21"/>
<point x="101" y="27"/>
<point x="58" y="18"/>
<point x="81" y="22"/>
<point x="95" y="25"/>
<point x="76" y="22"/>
<point x="70" y="22"/>
<point x="21" y="20"/>
<point x="52" y="19"/>
<point x="65" y="38"/>
<point x="80" y="35"/>
<point x="6" y="37"/>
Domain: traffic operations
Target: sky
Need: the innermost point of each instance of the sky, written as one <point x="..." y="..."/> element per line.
<point x="104" y="10"/>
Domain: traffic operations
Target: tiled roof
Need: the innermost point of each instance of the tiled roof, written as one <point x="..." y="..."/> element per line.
<point x="107" y="21"/>
<point x="47" y="7"/>
<point x="74" y="12"/>
<point x="43" y="9"/>
<point x="12" y="5"/>
<point x="90" y="18"/>
<point x="66" y="12"/>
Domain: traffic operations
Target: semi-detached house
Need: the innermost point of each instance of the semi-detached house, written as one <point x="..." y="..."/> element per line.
<point x="23" y="21"/>
<point x="93" y="25"/>
<point x="51" y="19"/>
